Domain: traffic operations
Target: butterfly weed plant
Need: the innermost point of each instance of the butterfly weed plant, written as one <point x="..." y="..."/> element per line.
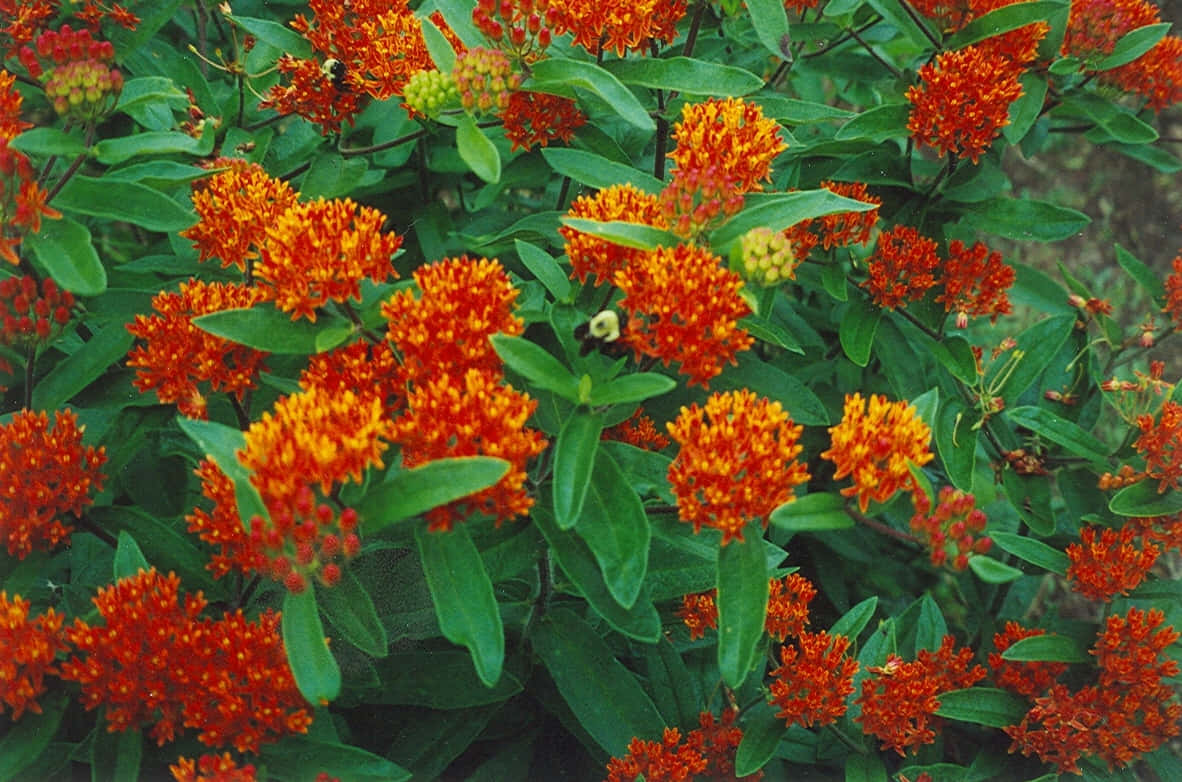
<point x="605" y="390"/>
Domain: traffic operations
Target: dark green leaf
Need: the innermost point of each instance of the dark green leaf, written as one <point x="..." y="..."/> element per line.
<point x="280" y="36"/>
<point x="112" y="151"/>
<point x="1143" y="499"/>
<point x="798" y="400"/>
<point x="1046" y="648"/>
<point x="771" y="333"/>
<point x="478" y="151"/>
<point x="857" y="330"/>
<point x="1029" y="550"/>
<point x="877" y="124"/>
<point x="762" y="731"/>
<point x="770" y="21"/>
<point x="409" y="493"/>
<point x="596" y="171"/>
<point x="331" y="175"/>
<point x="574" y="460"/>
<point x="350" y="610"/>
<point x="635" y="235"/>
<point x="116" y="755"/>
<point x="812" y="512"/>
<point x="44" y="142"/>
<point x="628" y="389"/>
<point x="956" y="442"/>
<point x="463" y="595"/>
<point x="28" y="737"/>
<point x="983" y="706"/>
<point x="536" y="365"/>
<point x="302" y="759"/>
<point x="544" y="268"/>
<point x="991" y="571"/>
<point x="129" y="202"/>
<point x="893" y="12"/>
<point x="604" y="695"/>
<point x="265" y="328"/>
<point x="852" y="622"/>
<point x="143" y="91"/>
<point x="163" y="543"/>
<point x="956" y="355"/>
<point x="1036" y="289"/>
<point x="129" y="560"/>
<point x="1026" y="110"/>
<point x="674" y="689"/>
<point x="75" y="372"/>
<point x="159" y="174"/>
<point x="1115" y="124"/>
<point x="742" y="605"/>
<point x="1147" y="278"/>
<point x="1132" y="45"/>
<point x="438" y="680"/>
<point x="1026" y="219"/>
<point x="616" y="530"/>
<point x="1001" y="20"/>
<point x="65" y="249"/>
<point x="783" y="210"/>
<point x="1059" y="430"/>
<point x="559" y="75"/>
<point x="930" y="626"/>
<point x="1037" y="345"/>
<point x="221" y="444"/>
<point x="791" y="111"/>
<point x="861" y="767"/>
<point x="314" y="668"/>
<point x="683" y="74"/>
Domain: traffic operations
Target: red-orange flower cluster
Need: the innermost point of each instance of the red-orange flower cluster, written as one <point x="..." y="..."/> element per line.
<point x="537" y="119"/>
<point x="707" y="752"/>
<point x="178" y="356"/>
<point x="1029" y="679"/>
<point x="1108" y="562"/>
<point x="787" y="608"/>
<point x="1174" y="293"/>
<point x="22" y="200"/>
<point x="901" y="268"/>
<point x="951" y="530"/>
<point x="975" y="282"/>
<point x="32" y="314"/>
<point x="736" y="462"/>
<point x="75" y="70"/>
<point x="618" y="25"/>
<point x="639" y="430"/>
<point x="590" y="255"/>
<point x="234" y="208"/>
<point x="362" y="368"/>
<point x="875" y="445"/>
<point x="813" y="680"/>
<point x="684" y="306"/>
<point x="45" y="473"/>
<point x="27" y="651"/>
<point x="312" y="95"/>
<point x="212" y="768"/>
<point x="1159" y="443"/>
<point x="846" y="228"/>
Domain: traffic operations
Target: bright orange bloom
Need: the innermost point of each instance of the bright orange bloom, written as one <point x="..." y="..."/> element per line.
<point x="698" y="612"/>
<point x="1174" y="293"/>
<point x="1028" y="679"/>
<point x="361" y="367"/>
<point x="32" y="314"/>
<point x="875" y="445"/>
<point x="27" y="651"/>
<point x="618" y="25"/>
<point x="590" y="255"/>
<point x="811" y="685"/>
<point x="22" y="20"/>
<point x="1058" y="728"/>
<point x="1155" y="75"/>
<point x="1165" y="531"/>
<point x="639" y="430"/>
<point x="951" y="15"/>
<point x="707" y="752"/>
<point x="95" y="11"/>
<point x="312" y="95"/>
<point x="846" y="228"/>
<point x="1160" y="445"/>
<point x="11" y="124"/>
<point x="321" y="251"/>
<point x="471" y="415"/>
<point x="950" y="531"/>
<point x="462" y="302"/>
<point x="212" y="768"/>
<point x="684" y="306"/>
<point x="1108" y="562"/>
<point x="222" y="527"/>
<point x="22" y="200"/>
<point x="901" y="269"/>
<point x="787" y="608"/>
<point x="899" y="699"/>
<point x="178" y="356"/>
<point x="974" y="282"/>
<point x="45" y="473"/>
<point x="963" y="101"/>
<point x="234" y="209"/>
<point x="719" y="740"/>
<point x="537" y="119"/>
<point x="736" y="462"/>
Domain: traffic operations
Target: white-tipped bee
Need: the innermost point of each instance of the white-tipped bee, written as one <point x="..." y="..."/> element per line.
<point x="600" y="333"/>
<point x="334" y="70"/>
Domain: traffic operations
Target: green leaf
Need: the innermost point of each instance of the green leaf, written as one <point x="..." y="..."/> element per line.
<point x="628" y="389"/>
<point x="1143" y="499"/>
<point x="543" y="266"/>
<point x="45" y="142"/>
<point x="1033" y="551"/>
<point x="634" y="235"/>
<point x="463" y="595"/>
<point x="674" y="689"/>
<point x="956" y="355"/>
<point x="877" y="124"/>
<point x="559" y="75"/>
<point x="604" y="696"/>
<point x="1059" y="430"/>
<point x="1046" y="648"/>
<point x="301" y="759"/>
<point x="129" y="202"/>
<point x="27" y="738"/>
<point x="956" y="442"/>
<point x="437" y="679"/>
<point x="265" y="328"/>
<point x="893" y="12"/>
<point x="1026" y="219"/>
<point x="742" y="605"/>
<point x="314" y="668"/>
<point x="221" y="444"/>
<point x="762" y="731"/>
<point x="791" y="111"/>
<point x="536" y="365"/>
<point x="574" y="461"/>
<point x="616" y="530"/>
<point x="852" y="622"/>
<point x="783" y="210"/>
<point x="596" y="171"/>
<point x="478" y="151"/>
<point x="686" y="75"/>
<point x="857" y="330"/>
<point x="116" y="755"/>
<point x="129" y="559"/>
<point x="165" y="545"/>
<point x="440" y="49"/>
<point x="159" y="174"/>
<point x="1026" y="110"/>
<point x="144" y="91"/>
<point x="1038" y="345"/>
<point x="112" y="151"/>
<point x="983" y="706"/>
<point x="350" y="610"/>
<point x="772" y="333"/>
<point x="860" y="767"/>
<point x="812" y="512"/>
<point x="410" y="493"/>
<point x="802" y="404"/>
<point x="1002" y="20"/>
<point x="1147" y="278"/>
<point x="331" y="175"/>
<point x="65" y="249"/>
<point x="991" y="571"/>
<point x="770" y="21"/>
<point x="930" y="626"/>
<point x="1132" y="45"/>
<point x="75" y="372"/>
<point x="280" y="36"/>
<point x="1116" y="124"/>
<point x="458" y="15"/>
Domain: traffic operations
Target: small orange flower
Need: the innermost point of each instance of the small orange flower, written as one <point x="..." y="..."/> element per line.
<point x="846" y="228"/>
<point x="462" y="303"/>
<point x="538" y="118"/>
<point x="32" y="314"/>
<point x="811" y="685"/>
<point x="729" y="137"/>
<point x="875" y="445"/>
<point x="684" y="306"/>
<point x="737" y="462"/>
<point x="234" y="209"/>
<point x="212" y="768"/>
<point x="178" y="356"/>
<point x="471" y="415"/>
<point x="950" y="530"/>
<point x="45" y="473"/>
<point x="11" y="124"/>
<point x="1029" y="679"/>
<point x="1108" y="562"/>
<point x="975" y="282"/>
<point x="618" y="25"/>
<point x="1155" y="75"/>
<point x="1094" y="26"/>
<point x="1159" y="444"/>
<point x="901" y="268"/>
<point x="707" y="752"/>
<point x="699" y="612"/>
<point x="1058" y="728"/>
<point x="360" y="367"/>
<point x="321" y="251"/>
<point x="27" y="651"/>
<point x="638" y="431"/>
<point x="591" y="255"/>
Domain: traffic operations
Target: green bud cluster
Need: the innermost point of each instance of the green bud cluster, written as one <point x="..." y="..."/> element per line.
<point x="764" y="257"/>
<point x="83" y="89"/>
<point x="485" y="77"/>
<point x="431" y="92"/>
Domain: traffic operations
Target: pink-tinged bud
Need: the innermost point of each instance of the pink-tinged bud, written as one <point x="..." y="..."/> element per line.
<point x="348" y="520"/>
<point x="1077" y="301"/>
<point x="351" y="545"/>
<point x="983" y="545"/>
<point x="305" y="553"/>
<point x="962" y="320"/>
<point x="1146" y="339"/>
<point x="961" y="562"/>
<point x="1110" y="385"/>
<point x="330" y="546"/>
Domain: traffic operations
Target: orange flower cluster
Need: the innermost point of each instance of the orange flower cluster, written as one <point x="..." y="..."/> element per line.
<point x="45" y="473"/>
<point x="845" y="228"/>
<point x="27" y="651"/>
<point x="22" y="20"/>
<point x="155" y="662"/>
<point x="684" y="306"/>
<point x="618" y="25"/>
<point x="234" y="208"/>
<point x="1129" y="712"/>
<point x="32" y="314"/>
<point x="787" y="608"/>
<point x="538" y="119"/>
<point x="1174" y="293"/>
<point x="639" y="430"/>
<point x="951" y="529"/>
<point x="899" y="699"/>
<point x="22" y="200"/>
<point x="222" y="527"/>
<point x="321" y="251"/>
<point x="707" y="752"/>
<point x="1155" y="75"/>
<point x="975" y="282"/>
<point x="178" y="356"/>
<point x="813" y="680"/>
<point x="362" y="368"/>
<point x="901" y="269"/>
<point x="1108" y="562"/>
<point x="591" y="255"/>
<point x="312" y="95"/>
<point x="875" y="445"/>
<point x="1029" y="679"/>
<point x="1160" y="445"/>
<point x="736" y="461"/>
<point x="212" y="768"/>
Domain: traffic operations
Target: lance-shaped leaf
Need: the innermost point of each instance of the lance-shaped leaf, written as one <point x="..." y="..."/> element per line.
<point x="351" y="612"/>
<point x="536" y="365"/>
<point x="780" y="211"/>
<point x="857" y="330"/>
<point x="478" y="151"/>
<point x="574" y="459"/>
<point x="1025" y="219"/>
<point x="812" y="512"/>
<point x="1143" y="499"/>
<point x="629" y="389"/>
<point x="1059" y="430"/>
<point x="559" y="76"/>
<point x="314" y="668"/>
<point x="1046" y="648"/>
<point x="64" y="248"/>
<point x="265" y="328"/>
<point x="635" y="235"/>
<point x="683" y="74"/>
<point x="1030" y="550"/>
<point x="770" y="21"/>
<point x="742" y="604"/>
<point x="616" y="529"/>
<point x="983" y="706"/>
<point x="410" y="493"/>
<point x="543" y="266"/>
<point x="762" y="731"/>
<point x="129" y="202"/>
<point x="597" y="171"/>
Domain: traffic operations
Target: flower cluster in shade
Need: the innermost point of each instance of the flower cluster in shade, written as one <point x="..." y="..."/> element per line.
<point x="736" y="462"/>
<point x="638" y="430"/>
<point x="972" y="281"/>
<point x="1107" y="562"/>
<point x="787" y="608"/>
<point x="32" y="313"/>
<point x="154" y="663"/>
<point x="1160" y="447"/>
<point x="874" y="444"/>
<point x="705" y="753"/>
<point x="23" y="202"/>
<point x="46" y="475"/>
<point x="75" y="70"/>
<point x="223" y="768"/>
<point x="28" y="651"/>
<point x="1129" y="710"/>
<point x="952" y="530"/>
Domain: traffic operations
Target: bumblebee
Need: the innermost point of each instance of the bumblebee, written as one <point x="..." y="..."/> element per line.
<point x="334" y="70"/>
<point x="600" y="333"/>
